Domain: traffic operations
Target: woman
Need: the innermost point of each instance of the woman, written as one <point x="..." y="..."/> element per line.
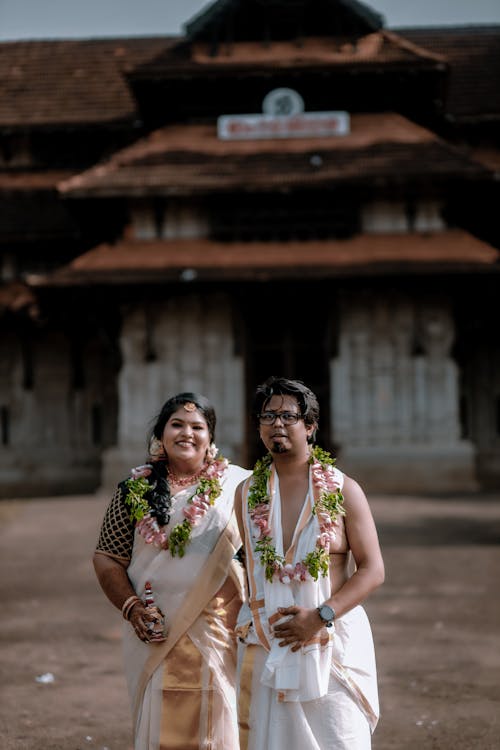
<point x="307" y="669"/>
<point x="171" y="525"/>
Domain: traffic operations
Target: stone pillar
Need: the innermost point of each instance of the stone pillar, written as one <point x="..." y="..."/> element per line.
<point x="395" y="403"/>
<point x="185" y="344"/>
<point x="49" y="445"/>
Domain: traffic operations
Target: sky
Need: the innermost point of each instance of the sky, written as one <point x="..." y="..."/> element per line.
<point x="56" y="19"/>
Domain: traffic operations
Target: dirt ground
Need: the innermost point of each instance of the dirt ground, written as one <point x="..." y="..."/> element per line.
<point x="436" y="624"/>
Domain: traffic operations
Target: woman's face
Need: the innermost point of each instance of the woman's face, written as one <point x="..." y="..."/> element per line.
<point x="186" y="437"/>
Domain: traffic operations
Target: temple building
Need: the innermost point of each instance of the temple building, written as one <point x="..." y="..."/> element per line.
<point x="287" y="188"/>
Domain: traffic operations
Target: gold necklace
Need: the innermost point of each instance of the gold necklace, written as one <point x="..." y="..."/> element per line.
<point x="186" y="481"/>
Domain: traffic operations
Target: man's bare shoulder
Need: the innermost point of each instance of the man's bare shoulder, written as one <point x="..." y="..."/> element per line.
<point x="353" y="492"/>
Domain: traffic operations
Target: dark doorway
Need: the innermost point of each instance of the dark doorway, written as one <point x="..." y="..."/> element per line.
<point x="477" y="353"/>
<point x="288" y="332"/>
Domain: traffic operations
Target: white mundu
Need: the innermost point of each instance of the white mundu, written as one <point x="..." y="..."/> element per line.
<point x="324" y="696"/>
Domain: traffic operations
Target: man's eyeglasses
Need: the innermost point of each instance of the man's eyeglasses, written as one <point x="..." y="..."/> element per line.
<point x="287" y="417"/>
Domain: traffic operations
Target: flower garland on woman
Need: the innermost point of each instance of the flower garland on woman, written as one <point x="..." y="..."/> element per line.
<point x="150" y="515"/>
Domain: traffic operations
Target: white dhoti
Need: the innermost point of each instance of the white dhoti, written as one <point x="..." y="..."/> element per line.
<point x="331" y="701"/>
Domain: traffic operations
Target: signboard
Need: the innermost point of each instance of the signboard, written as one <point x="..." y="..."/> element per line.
<point x="283" y="117"/>
<point x="304" y="125"/>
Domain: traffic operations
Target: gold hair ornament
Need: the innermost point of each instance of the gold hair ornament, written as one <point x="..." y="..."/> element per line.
<point x="156" y="449"/>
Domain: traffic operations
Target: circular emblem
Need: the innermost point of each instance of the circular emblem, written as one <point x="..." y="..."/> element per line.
<point x="283" y="102"/>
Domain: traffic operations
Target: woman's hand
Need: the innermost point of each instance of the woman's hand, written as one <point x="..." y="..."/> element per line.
<point x="303" y="625"/>
<point x="143" y="621"/>
<point x="138" y="619"/>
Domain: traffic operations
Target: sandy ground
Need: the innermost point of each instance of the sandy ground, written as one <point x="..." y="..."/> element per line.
<point x="436" y="624"/>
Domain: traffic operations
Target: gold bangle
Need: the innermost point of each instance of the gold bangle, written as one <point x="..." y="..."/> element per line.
<point x="128" y="604"/>
<point x="128" y="610"/>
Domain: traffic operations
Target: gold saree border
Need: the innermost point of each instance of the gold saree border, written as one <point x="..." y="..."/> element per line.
<point x="245" y="694"/>
<point x="181" y="697"/>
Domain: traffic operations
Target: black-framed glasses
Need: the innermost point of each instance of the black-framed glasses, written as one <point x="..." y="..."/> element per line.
<point x="287" y="417"/>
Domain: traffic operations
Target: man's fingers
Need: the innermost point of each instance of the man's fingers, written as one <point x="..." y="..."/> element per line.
<point x="289" y="641"/>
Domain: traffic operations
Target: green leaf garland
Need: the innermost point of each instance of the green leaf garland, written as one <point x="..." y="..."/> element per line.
<point x="135" y="498"/>
<point x="317" y="562"/>
<point x="179" y="538"/>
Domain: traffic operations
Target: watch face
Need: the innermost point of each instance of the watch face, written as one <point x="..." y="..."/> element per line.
<point x="326" y="613"/>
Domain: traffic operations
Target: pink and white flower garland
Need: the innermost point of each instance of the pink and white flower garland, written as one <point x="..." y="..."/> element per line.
<point x="197" y="505"/>
<point x="325" y="483"/>
<point x="326" y="487"/>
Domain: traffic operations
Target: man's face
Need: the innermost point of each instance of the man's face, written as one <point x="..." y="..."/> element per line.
<point x="281" y="437"/>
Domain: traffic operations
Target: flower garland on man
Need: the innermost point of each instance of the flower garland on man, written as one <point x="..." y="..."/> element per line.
<point x="327" y="506"/>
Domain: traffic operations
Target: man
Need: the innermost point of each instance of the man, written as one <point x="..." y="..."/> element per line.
<point x="307" y="677"/>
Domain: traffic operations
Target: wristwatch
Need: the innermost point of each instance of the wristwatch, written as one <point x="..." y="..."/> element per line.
<point x="327" y="614"/>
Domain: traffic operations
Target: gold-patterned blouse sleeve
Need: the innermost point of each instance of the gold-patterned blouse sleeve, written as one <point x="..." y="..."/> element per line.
<point x="116" y="537"/>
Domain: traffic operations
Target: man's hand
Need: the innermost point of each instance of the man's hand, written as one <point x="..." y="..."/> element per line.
<point x="303" y="625"/>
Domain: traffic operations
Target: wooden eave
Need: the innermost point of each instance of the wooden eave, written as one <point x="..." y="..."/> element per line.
<point x="191" y="160"/>
<point x="378" y="51"/>
<point x="185" y="261"/>
<point x="29" y="181"/>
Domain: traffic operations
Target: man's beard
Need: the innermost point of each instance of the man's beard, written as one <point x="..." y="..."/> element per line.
<point x="278" y="448"/>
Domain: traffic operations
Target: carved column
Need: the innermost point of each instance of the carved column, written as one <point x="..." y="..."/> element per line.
<point x="395" y="414"/>
<point x="185" y="344"/>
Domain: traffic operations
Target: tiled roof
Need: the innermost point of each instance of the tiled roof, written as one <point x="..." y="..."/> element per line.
<point x="473" y="53"/>
<point x="46" y="83"/>
<point x="190" y="159"/>
<point x="51" y="83"/>
<point x="83" y="82"/>
<point x="381" y="48"/>
<point x="189" y="260"/>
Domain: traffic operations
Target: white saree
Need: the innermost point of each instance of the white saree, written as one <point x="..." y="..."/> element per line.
<point x="323" y="696"/>
<point x="183" y="690"/>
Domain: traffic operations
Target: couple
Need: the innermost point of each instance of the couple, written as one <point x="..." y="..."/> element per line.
<point x="306" y="667"/>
